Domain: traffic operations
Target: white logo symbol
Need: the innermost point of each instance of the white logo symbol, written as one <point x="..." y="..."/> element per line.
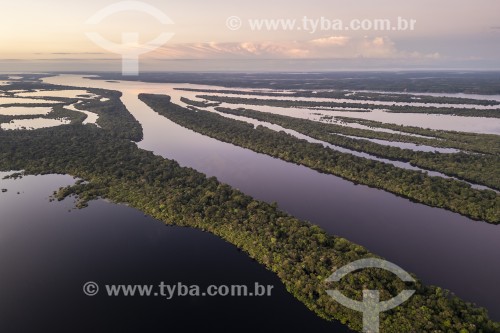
<point x="371" y="306"/>
<point x="130" y="48"/>
<point x="90" y="288"/>
<point x="234" y="23"/>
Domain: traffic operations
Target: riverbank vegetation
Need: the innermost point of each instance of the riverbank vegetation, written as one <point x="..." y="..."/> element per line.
<point x="360" y="107"/>
<point x="113" y="115"/>
<point x="302" y="255"/>
<point x="477" y="168"/>
<point x="352" y="95"/>
<point x="111" y="166"/>
<point x="472" y="142"/>
<point x="433" y="191"/>
<point x="199" y="104"/>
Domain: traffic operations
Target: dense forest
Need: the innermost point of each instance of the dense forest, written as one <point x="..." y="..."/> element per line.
<point x="361" y="107"/>
<point x="433" y="191"/>
<point x="200" y="104"/>
<point x="473" y="142"/>
<point x="476" y="168"/>
<point x="302" y="255"/>
<point x="57" y="112"/>
<point x="488" y="144"/>
<point x="354" y="95"/>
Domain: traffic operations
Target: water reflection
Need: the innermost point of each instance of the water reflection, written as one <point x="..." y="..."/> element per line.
<point x="47" y="253"/>
<point x="32" y="124"/>
<point x="24" y="110"/>
<point x="441" y="247"/>
<point x="59" y="93"/>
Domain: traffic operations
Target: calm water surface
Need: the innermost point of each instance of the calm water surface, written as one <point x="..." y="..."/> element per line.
<point x="47" y="253"/>
<point x="442" y="248"/>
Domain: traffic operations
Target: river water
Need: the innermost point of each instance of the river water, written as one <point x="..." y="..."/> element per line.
<point x="442" y="248"/>
<point x="48" y="251"/>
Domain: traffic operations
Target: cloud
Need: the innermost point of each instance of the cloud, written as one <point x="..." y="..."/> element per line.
<point x="329" y="41"/>
<point x="69" y="53"/>
<point x="332" y="47"/>
<point x="243" y="50"/>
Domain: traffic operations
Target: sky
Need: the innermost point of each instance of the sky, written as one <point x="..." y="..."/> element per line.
<point x="225" y="35"/>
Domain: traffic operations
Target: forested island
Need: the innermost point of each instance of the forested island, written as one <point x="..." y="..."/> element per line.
<point x="363" y="107"/>
<point x="110" y="165"/>
<point x="433" y="191"/>
<point x="353" y="95"/>
<point x="477" y="168"/>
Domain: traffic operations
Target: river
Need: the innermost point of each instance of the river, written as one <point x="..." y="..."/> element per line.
<point x="441" y="247"/>
<point x="48" y="251"/>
